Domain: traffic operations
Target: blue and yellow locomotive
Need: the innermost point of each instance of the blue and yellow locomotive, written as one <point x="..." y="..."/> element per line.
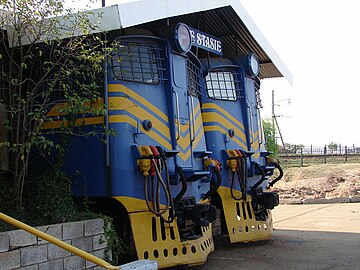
<point x="234" y="135"/>
<point x="189" y="147"/>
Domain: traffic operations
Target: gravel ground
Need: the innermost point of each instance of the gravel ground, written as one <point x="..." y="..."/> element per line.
<point x="319" y="182"/>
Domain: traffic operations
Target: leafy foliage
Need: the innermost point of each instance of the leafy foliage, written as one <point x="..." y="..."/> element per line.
<point x="271" y="144"/>
<point x="115" y="245"/>
<point x="51" y="60"/>
<point x="47" y="200"/>
<point x="333" y="146"/>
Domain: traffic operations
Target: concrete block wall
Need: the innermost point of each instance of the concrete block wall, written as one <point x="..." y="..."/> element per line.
<point x="22" y="250"/>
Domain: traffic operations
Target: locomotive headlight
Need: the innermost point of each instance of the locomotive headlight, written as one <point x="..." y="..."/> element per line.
<point x="182" y="37"/>
<point x="253" y="64"/>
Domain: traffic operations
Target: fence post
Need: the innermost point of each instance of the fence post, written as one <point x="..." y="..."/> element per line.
<point x="340" y="149"/>
<point x="311" y="149"/>
<point x="302" y="157"/>
<point x="346" y="154"/>
<point x="325" y="154"/>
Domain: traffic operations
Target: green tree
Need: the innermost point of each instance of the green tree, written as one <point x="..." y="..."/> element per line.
<point x="333" y="146"/>
<point x="49" y="55"/>
<point x="269" y="131"/>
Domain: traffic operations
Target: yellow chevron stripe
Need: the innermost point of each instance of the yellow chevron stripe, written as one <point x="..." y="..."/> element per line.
<point x="197" y="108"/>
<point x="184" y="127"/>
<point x="255" y="137"/>
<point x="217" y="128"/>
<point x="87" y="121"/>
<point x="122" y="89"/>
<point x="228" y="115"/>
<point x="199" y="125"/>
<point x="123" y="103"/>
<point x="186" y="155"/>
<point x="61" y="108"/>
<point x="198" y="120"/>
<point x="184" y="142"/>
<point x="215" y="117"/>
<point x="255" y="145"/>
<point x="133" y="122"/>
<point x="256" y="155"/>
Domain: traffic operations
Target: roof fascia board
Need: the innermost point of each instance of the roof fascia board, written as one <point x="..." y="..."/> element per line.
<point x="161" y="9"/>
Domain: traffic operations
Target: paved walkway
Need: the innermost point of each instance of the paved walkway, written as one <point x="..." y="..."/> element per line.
<point x="341" y="217"/>
<point x="306" y="237"/>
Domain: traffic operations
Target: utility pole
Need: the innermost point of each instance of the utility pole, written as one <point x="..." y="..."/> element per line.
<point x="274" y="121"/>
<point x="273" y="114"/>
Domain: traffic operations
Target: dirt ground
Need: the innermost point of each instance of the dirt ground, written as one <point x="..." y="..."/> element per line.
<point x="319" y="181"/>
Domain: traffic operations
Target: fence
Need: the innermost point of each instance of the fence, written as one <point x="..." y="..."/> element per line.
<point x="304" y="156"/>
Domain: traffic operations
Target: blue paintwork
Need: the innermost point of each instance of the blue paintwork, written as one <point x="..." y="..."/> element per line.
<point x="88" y="155"/>
<point x="240" y="109"/>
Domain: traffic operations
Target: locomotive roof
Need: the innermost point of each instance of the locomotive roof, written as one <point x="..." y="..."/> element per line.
<point x="226" y="19"/>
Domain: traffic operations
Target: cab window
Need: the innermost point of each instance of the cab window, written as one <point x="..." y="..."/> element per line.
<point x="137" y="62"/>
<point x="222" y="85"/>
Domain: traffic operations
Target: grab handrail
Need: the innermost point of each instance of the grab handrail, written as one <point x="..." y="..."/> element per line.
<point x="57" y="242"/>
<point x="192" y="121"/>
<point x="177" y="114"/>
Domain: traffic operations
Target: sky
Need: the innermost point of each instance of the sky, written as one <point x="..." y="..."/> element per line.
<point x="318" y="42"/>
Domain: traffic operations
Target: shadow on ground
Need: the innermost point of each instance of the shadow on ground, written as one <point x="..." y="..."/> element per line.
<point x="288" y="250"/>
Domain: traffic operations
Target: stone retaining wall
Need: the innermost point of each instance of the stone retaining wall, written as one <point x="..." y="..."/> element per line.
<point x="22" y="250"/>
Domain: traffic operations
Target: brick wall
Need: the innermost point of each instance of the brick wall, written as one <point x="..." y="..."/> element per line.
<point x="21" y="250"/>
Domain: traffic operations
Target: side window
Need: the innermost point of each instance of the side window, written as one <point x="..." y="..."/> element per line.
<point x="222" y="85"/>
<point x="137" y="62"/>
<point x="193" y="78"/>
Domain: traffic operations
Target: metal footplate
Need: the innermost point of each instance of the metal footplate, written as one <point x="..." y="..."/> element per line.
<point x="241" y="221"/>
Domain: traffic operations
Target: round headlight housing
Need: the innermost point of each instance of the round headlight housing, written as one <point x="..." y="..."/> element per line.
<point x="253" y="64"/>
<point x="183" y="38"/>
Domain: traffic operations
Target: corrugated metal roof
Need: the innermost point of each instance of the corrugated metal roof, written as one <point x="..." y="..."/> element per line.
<point x="226" y="19"/>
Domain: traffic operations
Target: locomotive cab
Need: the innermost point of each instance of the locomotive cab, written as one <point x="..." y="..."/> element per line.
<point x="232" y="124"/>
<point x="154" y="165"/>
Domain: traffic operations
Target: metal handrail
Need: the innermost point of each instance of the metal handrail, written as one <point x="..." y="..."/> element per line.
<point x="177" y="114"/>
<point x="192" y="121"/>
<point x="58" y="242"/>
<point x="251" y="126"/>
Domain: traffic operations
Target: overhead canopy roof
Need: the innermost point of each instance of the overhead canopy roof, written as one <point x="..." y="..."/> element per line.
<point x="226" y="19"/>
